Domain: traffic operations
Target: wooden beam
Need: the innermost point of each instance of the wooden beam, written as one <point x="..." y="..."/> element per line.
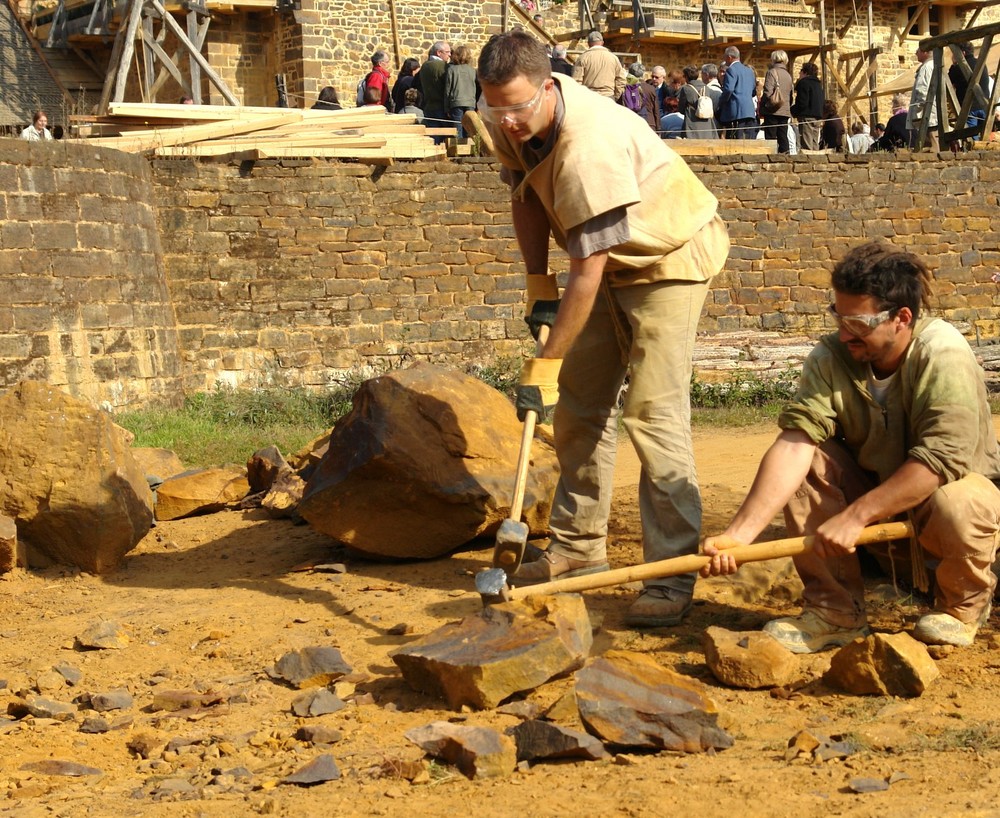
<point x="166" y="62"/>
<point x="214" y="78"/>
<point x="192" y="32"/>
<point x="961" y="36"/>
<point x="128" y="49"/>
<point x="216" y="112"/>
<point x="116" y="53"/>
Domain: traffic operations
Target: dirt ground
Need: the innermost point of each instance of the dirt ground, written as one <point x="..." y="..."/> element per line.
<point x="209" y="603"/>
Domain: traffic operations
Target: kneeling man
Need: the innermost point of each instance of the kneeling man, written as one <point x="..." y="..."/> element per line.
<point x="891" y="418"/>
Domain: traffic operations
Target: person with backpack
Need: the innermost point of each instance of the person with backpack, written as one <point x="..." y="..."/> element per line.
<point x="640" y="97"/>
<point x="775" y="103"/>
<point x="697" y="107"/>
<point x="377" y="78"/>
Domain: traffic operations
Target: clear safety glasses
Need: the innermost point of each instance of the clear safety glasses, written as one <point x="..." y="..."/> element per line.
<point x="860" y="325"/>
<point x="513" y="114"/>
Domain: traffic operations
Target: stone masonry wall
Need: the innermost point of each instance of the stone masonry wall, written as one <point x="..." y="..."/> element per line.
<point x="295" y="272"/>
<point x="125" y="282"/>
<point x="83" y="297"/>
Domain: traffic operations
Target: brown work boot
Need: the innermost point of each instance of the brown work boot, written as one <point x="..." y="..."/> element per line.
<point x="658" y="607"/>
<point x="551" y="566"/>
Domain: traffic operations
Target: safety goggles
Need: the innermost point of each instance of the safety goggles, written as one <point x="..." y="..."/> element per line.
<point x="514" y="114"/>
<point x="860" y="325"/>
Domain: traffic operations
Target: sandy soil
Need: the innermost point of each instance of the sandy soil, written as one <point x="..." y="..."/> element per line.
<point x="210" y="602"/>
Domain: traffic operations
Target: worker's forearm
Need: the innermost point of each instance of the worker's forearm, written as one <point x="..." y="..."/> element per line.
<point x="584" y="282"/>
<point x="781" y="472"/>
<point x="531" y="226"/>
<point x="909" y="485"/>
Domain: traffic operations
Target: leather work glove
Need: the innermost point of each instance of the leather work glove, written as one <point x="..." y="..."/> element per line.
<point x="538" y="387"/>
<point x="543" y="302"/>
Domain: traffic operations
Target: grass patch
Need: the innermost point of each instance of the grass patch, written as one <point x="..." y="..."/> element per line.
<point x="743" y="399"/>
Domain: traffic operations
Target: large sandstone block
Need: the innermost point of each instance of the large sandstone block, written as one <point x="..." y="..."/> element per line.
<point x="200" y="492"/>
<point x="423" y="463"/>
<point x="69" y="480"/>
<point x="749" y="659"/>
<point x="505" y="649"/>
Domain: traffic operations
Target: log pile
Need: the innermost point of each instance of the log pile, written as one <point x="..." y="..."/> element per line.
<point x="368" y="134"/>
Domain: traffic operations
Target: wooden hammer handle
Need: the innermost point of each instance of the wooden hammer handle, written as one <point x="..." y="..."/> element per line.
<point x="754" y="552"/>
<point x="524" y="453"/>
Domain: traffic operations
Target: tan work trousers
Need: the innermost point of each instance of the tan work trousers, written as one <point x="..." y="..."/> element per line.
<point x="656" y="324"/>
<point x="957" y="526"/>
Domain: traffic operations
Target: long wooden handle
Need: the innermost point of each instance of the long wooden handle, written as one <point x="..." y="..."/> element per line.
<point x="754" y="552"/>
<point x="524" y="455"/>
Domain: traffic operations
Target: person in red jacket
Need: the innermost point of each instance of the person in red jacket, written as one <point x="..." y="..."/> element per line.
<point x="379" y="78"/>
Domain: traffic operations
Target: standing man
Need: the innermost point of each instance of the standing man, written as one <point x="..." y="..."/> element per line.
<point x="737" y="111"/>
<point x="710" y="76"/>
<point x="431" y="82"/>
<point x="600" y="70"/>
<point x="37" y="130"/>
<point x="559" y="63"/>
<point x="379" y="79"/>
<point x="891" y="418"/>
<point x="923" y="102"/>
<point x="644" y="237"/>
<point x="808" y="106"/>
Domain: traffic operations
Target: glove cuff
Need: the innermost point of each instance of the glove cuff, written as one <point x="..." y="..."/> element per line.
<point x="541" y="287"/>
<point x="540" y="372"/>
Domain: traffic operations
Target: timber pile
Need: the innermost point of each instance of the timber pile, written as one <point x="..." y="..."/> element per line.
<point x="369" y="134"/>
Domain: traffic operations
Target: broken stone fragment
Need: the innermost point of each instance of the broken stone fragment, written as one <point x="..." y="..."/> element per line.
<point x="200" y="492"/>
<point x="521" y="709"/>
<point x="502" y="650"/>
<point x="95" y="724"/>
<point x="477" y="752"/>
<point x="283" y="498"/>
<point x="52" y="766"/>
<point x="446" y="444"/>
<point x="119" y="699"/>
<point x="629" y="700"/>
<point x="49" y="681"/>
<point x="174" y="700"/>
<point x="310" y="667"/>
<point x="321" y="769"/>
<point x="263" y="468"/>
<point x="751" y="659"/>
<point x="102" y="635"/>
<point x="318" y="702"/>
<point x="318" y="734"/>
<point x="69" y="480"/>
<point x="883" y="665"/>
<point x="71" y="674"/>
<point x="816" y="747"/>
<point x="541" y="740"/>
<point x="865" y="785"/>
<point x="42" y="708"/>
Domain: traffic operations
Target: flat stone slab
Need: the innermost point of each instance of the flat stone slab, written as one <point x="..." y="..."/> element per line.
<point x="318" y="771"/>
<point x="310" y="667"/>
<point x="629" y="700"/>
<point x="503" y="650"/>
<point x="478" y="752"/>
<point x="539" y="740"/>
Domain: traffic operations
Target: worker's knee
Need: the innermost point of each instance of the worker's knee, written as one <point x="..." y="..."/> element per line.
<point x="961" y="519"/>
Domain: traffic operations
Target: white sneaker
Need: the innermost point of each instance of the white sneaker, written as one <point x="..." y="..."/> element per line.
<point x="810" y="633"/>
<point x="944" y="629"/>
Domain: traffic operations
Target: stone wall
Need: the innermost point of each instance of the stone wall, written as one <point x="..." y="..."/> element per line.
<point x="294" y="272"/>
<point x="126" y="282"/>
<point x="83" y="297"/>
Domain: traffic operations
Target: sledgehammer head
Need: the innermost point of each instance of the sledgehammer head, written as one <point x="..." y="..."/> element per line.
<point x="492" y="585"/>
<point x="512" y="538"/>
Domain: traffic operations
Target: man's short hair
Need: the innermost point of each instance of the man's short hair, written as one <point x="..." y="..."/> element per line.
<point x="436" y="48"/>
<point x="691" y="73"/>
<point x="810" y="69"/>
<point x="710" y="70"/>
<point x="637" y="69"/>
<point x="895" y="278"/>
<point x="559" y="52"/>
<point x="512" y="54"/>
<point x="594" y="38"/>
<point x="379" y="57"/>
<point x="733" y="52"/>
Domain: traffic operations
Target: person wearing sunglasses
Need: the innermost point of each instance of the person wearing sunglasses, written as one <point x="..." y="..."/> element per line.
<point x="891" y="419"/>
<point x="643" y="237"/>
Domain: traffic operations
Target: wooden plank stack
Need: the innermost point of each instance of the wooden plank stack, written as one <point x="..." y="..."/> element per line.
<point x="368" y="134"/>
